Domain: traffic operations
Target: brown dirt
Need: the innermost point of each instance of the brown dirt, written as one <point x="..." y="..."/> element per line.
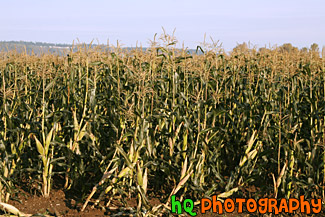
<point x="59" y="203"/>
<point x="56" y="204"/>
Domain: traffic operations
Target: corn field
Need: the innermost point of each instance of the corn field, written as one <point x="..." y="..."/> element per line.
<point x="116" y="124"/>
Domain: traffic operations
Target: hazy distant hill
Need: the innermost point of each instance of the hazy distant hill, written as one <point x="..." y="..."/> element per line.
<point x="36" y="47"/>
<point x="41" y="47"/>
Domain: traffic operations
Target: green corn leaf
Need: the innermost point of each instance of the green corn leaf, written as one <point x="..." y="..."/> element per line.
<point x="48" y="140"/>
<point x="139" y="175"/>
<point x="39" y="146"/>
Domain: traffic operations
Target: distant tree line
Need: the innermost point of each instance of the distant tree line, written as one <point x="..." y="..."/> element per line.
<point x="285" y="48"/>
<point x="60" y="48"/>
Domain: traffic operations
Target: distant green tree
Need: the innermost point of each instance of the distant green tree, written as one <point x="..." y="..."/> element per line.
<point x="263" y="50"/>
<point x="314" y="47"/>
<point x="288" y="47"/>
<point x="240" y="48"/>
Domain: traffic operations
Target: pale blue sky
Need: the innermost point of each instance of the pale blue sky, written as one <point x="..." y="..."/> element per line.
<point x="262" y="22"/>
